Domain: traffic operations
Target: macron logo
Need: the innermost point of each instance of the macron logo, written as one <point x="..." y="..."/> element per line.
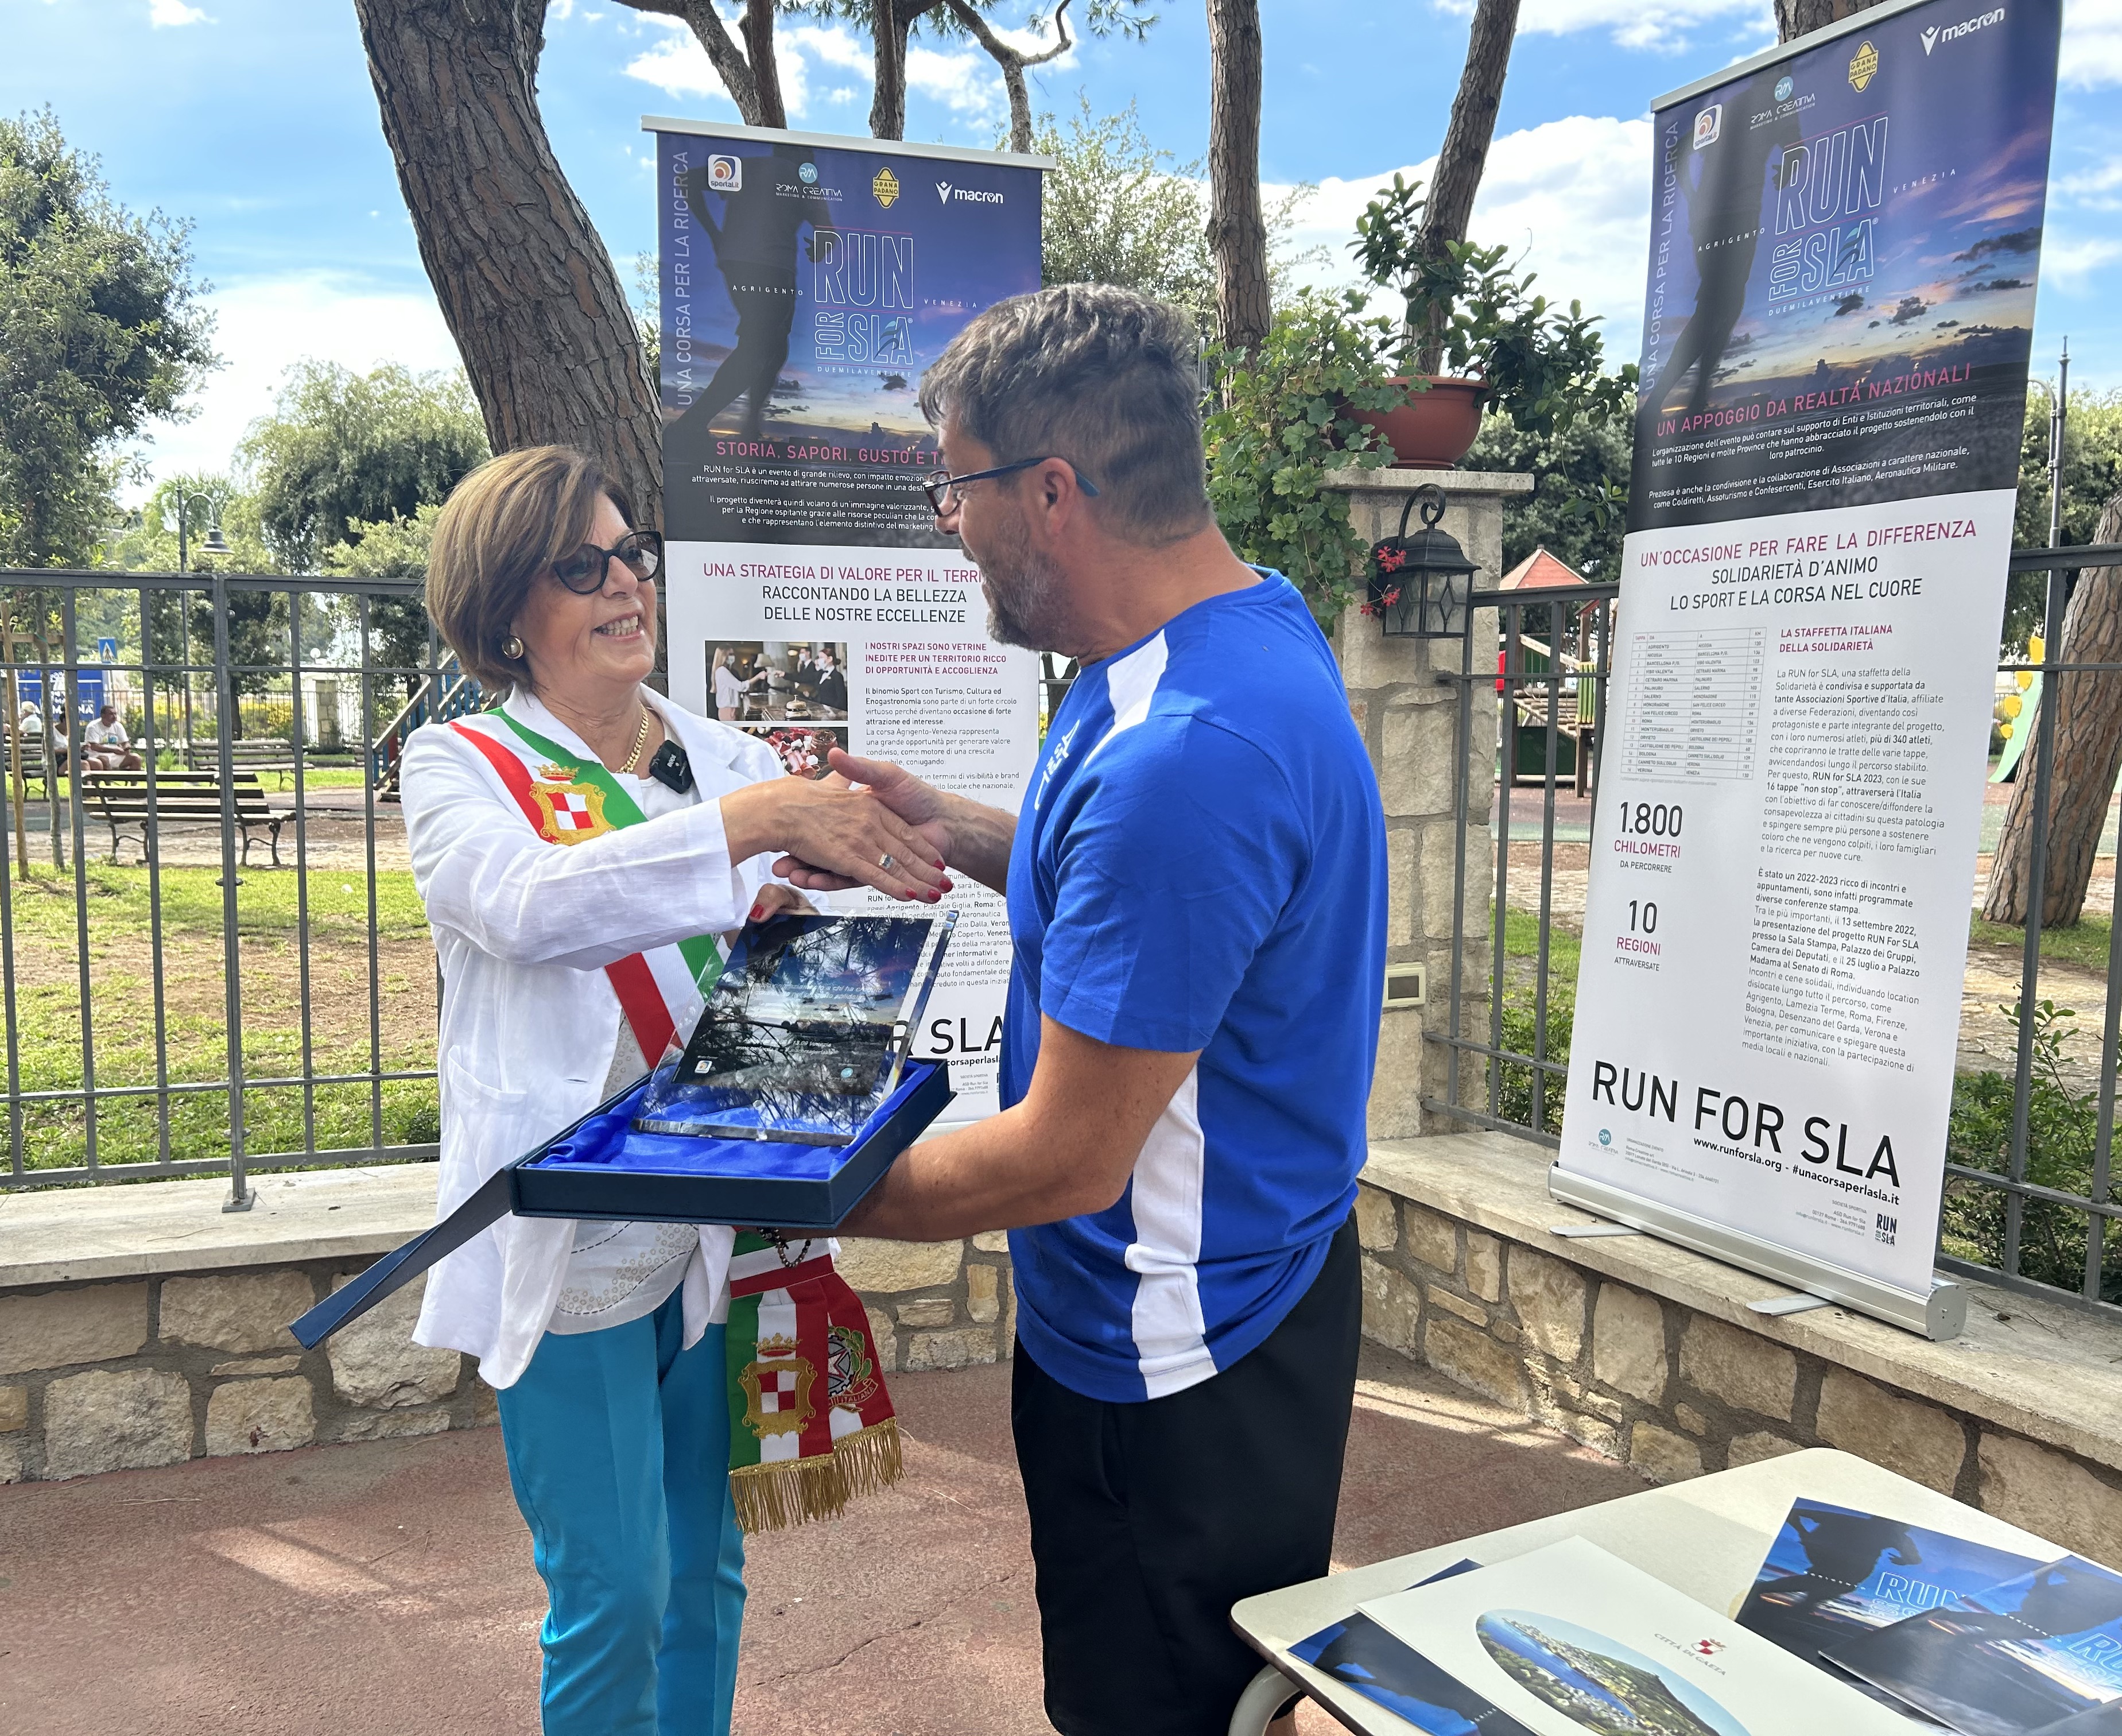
<point x="1930" y="39"/>
<point x="967" y="196"/>
<point x="1954" y="32"/>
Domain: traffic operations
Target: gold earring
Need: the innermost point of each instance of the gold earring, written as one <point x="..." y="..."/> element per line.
<point x="511" y="647"/>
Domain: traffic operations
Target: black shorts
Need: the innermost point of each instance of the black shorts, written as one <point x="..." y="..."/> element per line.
<point x="1150" y="1520"/>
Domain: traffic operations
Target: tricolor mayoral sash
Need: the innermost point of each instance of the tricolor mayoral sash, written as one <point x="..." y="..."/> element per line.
<point x="811" y="1424"/>
<point x="569" y="798"/>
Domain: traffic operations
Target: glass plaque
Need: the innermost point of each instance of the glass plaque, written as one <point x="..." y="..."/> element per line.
<point x="806" y="1032"/>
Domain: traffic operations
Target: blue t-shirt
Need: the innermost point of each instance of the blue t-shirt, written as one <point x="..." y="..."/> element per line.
<point x="1200" y="864"/>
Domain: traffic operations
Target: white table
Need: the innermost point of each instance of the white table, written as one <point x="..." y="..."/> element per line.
<point x="1705" y="1537"/>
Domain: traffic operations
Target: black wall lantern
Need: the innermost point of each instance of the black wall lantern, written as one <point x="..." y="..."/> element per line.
<point x="1420" y="584"/>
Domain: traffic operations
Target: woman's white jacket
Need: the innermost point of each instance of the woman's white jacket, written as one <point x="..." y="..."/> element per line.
<point x="523" y="930"/>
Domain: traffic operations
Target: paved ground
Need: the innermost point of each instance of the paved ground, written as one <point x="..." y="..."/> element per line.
<point x="387" y="1588"/>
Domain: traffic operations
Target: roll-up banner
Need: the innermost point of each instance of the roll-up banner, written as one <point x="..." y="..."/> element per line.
<point x="806" y="282"/>
<point x="1844" y="238"/>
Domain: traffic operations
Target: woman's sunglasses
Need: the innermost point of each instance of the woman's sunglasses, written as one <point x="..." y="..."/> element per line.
<point x="640" y="552"/>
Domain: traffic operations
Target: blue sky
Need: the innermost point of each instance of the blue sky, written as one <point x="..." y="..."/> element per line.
<point x="257" y="121"/>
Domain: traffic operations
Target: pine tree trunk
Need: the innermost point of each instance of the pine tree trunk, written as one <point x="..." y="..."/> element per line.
<point x="2088" y="756"/>
<point x="526" y="285"/>
<point x="1237" y="231"/>
<point x="1797" y="18"/>
<point x="887" y="106"/>
<point x="1466" y="153"/>
<point x="766" y="68"/>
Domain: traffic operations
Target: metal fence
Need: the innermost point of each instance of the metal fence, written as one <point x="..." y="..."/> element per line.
<point x="2029" y="1202"/>
<point x="174" y="1005"/>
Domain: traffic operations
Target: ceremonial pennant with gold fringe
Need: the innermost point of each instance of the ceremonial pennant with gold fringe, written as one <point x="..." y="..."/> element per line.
<point x="811" y="1424"/>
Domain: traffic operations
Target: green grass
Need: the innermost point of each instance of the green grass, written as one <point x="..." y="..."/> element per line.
<point x="1522" y="940"/>
<point x="2083" y="944"/>
<point x="115" y="931"/>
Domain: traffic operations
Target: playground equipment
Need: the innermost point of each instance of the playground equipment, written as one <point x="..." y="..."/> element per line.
<point x="1565" y="684"/>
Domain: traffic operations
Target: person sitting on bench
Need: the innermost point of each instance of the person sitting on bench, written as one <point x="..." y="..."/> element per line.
<point x="105" y="746"/>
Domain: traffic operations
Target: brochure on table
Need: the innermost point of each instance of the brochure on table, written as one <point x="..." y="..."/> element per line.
<point x="1833" y="1574"/>
<point x="2038" y="1655"/>
<point x="1571" y="1638"/>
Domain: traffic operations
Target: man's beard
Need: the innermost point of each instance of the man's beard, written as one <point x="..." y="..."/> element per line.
<point x="1024" y="595"/>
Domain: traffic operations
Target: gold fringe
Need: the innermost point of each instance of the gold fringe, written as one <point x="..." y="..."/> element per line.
<point x="789" y="1492"/>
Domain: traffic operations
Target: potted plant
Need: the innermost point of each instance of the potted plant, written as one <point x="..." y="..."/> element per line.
<point x="1473" y="338"/>
<point x="1280" y="419"/>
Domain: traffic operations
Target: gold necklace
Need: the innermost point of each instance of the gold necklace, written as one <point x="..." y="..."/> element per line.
<point x="640" y="741"/>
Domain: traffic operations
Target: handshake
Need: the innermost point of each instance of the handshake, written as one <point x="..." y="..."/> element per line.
<point x="867" y="823"/>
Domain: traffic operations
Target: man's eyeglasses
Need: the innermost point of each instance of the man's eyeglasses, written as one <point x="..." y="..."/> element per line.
<point x="640" y="552"/>
<point x="941" y="487"/>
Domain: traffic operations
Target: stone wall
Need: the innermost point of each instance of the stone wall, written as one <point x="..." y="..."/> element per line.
<point x="1410" y="722"/>
<point x="148" y="1371"/>
<point x="1675" y="1391"/>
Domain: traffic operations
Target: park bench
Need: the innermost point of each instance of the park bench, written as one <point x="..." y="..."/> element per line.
<point x="35" y="764"/>
<point x="268" y="753"/>
<point x="124" y="801"/>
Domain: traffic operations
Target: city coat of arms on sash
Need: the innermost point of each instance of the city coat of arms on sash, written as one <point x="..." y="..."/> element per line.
<point x="569" y="811"/>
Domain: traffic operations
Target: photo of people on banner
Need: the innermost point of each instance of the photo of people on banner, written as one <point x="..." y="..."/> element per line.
<point x="805" y="288"/>
<point x="1843" y="254"/>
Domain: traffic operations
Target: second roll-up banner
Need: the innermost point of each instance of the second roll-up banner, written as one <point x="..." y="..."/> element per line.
<point x="806" y="283"/>
<point x="1844" y="238"/>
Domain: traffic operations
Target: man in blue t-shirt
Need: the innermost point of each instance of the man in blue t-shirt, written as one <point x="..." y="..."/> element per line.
<point x="1197" y="888"/>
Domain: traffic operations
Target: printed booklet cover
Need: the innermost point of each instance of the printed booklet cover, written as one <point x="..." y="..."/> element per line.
<point x="1834" y="1573"/>
<point x="2042" y="1652"/>
<point x="1362" y="1655"/>
<point x="1571" y="1639"/>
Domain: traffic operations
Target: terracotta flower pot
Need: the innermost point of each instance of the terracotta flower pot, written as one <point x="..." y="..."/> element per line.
<point x="1433" y="430"/>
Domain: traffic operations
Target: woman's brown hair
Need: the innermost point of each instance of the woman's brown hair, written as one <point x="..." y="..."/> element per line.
<point x="502" y="528"/>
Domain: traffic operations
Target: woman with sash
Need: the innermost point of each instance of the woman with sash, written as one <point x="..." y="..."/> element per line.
<point x="579" y="848"/>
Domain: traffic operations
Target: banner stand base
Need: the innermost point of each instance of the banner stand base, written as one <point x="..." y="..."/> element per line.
<point x="1939" y="1313"/>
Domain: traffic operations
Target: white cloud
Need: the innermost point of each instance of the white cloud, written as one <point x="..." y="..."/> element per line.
<point x="2068" y="259"/>
<point x="2098" y="189"/>
<point x="2091" y="44"/>
<point x="1663" y="25"/>
<point x="966" y="82"/>
<point x="1573" y="196"/>
<point x="170" y="14"/>
<point x="680" y="66"/>
<point x="265" y="324"/>
<point x="833" y="46"/>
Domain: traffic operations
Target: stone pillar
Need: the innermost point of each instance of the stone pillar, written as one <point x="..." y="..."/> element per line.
<point x="1410" y="721"/>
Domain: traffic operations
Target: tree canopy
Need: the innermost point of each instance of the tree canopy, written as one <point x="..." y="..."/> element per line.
<point x="1117" y="210"/>
<point x="101" y="330"/>
<point x="2092" y="477"/>
<point x="1573" y="465"/>
<point x="342" y="449"/>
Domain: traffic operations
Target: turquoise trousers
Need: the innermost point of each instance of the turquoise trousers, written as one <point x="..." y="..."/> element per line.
<point x="617" y="1444"/>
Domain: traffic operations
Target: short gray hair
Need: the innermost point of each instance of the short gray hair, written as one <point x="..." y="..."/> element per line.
<point x="1098" y="375"/>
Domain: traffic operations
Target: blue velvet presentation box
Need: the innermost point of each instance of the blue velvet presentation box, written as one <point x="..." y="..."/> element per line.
<point x="602" y="1168"/>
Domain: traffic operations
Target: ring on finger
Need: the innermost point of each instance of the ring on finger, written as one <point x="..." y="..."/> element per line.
<point x="887" y="862"/>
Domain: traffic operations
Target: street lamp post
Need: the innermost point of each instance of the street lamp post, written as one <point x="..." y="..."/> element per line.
<point x="215" y="544"/>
